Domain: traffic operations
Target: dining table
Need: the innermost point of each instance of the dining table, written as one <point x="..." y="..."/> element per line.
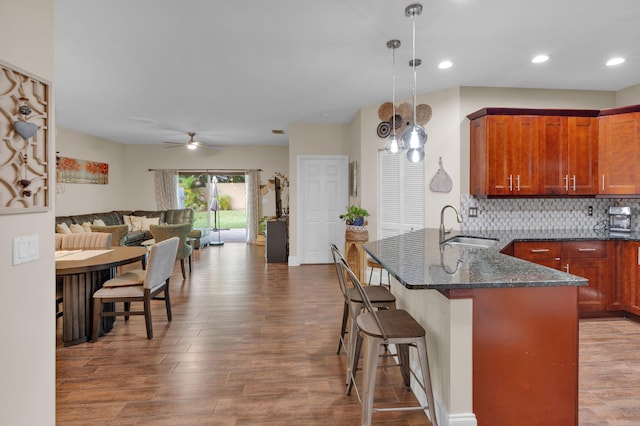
<point x="82" y="273"/>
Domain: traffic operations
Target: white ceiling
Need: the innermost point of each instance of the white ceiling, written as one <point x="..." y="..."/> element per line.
<point x="148" y="71"/>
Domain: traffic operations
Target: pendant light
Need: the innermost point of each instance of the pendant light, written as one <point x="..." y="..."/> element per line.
<point x="414" y="136"/>
<point x="394" y="143"/>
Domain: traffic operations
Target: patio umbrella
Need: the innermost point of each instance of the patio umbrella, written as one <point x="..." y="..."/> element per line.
<point x="214" y="201"/>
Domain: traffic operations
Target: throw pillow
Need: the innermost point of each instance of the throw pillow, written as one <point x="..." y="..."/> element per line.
<point x="86" y="226"/>
<point x="127" y="221"/>
<point x="62" y="228"/>
<point x="136" y="223"/>
<point x="99" y="222"/>
<point x="77" y="229"/>
<point x="146" y="221"/>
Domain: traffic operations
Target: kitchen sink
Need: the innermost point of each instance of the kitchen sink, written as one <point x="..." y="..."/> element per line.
<point x="477" y="242"/>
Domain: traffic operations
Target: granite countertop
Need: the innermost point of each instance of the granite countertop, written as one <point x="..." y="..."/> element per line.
<point x="418" y="261"/>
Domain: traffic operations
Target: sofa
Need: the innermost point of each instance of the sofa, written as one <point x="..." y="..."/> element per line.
<point x="128" y="231"/>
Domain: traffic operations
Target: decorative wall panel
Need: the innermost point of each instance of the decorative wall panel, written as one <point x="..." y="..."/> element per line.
<point x="25" y="139"/>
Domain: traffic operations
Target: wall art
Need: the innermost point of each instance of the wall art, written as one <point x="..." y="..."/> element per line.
<point x="353" y="179"/>
<point x="25" y="141"/>
<point x="72" y="170"/>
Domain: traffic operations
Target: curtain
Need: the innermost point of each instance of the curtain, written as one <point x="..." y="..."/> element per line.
<point x="253" y="204"/>
<point x="166" y="181"/>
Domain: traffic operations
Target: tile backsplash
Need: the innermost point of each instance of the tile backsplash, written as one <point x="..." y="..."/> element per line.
<point x="541" y="213"/>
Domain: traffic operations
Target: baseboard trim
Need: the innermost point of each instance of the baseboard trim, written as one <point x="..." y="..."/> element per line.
<point x="294" y="261"/>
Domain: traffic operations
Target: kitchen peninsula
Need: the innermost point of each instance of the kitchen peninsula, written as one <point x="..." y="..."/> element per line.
<point x="502" y="333"/>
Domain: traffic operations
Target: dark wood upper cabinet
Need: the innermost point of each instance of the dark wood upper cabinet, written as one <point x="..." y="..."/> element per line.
<point x="504" y="155"/>
<point x="546" y="152"/>
<point x="619" y="145"/>
<point x="568" y="155"/>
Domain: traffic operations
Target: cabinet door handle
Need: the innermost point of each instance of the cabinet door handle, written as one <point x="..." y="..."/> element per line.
<point x="518" y="185"/>
<point x="510" y="182"/>
<point x="566" y="183"/>
<point x="573" y="183"/>
<point x="566" y="268"/>
<point x="603" y="182"/>
<point x="546" y="250"/>
<point x="638" y="255"/>
<point x="587" y="249"/>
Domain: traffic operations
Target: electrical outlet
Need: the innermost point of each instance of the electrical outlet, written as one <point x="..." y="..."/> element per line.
<point x="473" y="212"/>
<point x="590" y="211"/>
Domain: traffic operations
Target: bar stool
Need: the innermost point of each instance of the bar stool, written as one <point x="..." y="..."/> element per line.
<point x="379" y="296"/>
<point x="376" y="328"/>
<point x="372" y="264"/>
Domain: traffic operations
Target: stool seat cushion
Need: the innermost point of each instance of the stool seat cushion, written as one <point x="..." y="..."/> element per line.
<point x="375" y="293"/>
<point x="396" y="323"/>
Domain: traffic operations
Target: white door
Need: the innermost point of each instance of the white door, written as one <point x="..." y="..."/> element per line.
<point x="322" y="197"/>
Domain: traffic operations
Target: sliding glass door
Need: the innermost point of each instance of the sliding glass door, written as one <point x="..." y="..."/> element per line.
<point x="219" y="201"/>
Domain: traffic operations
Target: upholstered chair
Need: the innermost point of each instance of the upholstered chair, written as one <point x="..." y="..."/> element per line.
<point x="138" y="285"/>
<point x="84" y="240"/>
<point x="181" y="230"/>
<point x="117" y="231"/>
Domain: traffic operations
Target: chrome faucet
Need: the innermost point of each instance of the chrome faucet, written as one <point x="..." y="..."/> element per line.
<point x="444" y="232"/>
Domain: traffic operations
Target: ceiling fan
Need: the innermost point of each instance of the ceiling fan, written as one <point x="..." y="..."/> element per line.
<point x="192" y="143"/>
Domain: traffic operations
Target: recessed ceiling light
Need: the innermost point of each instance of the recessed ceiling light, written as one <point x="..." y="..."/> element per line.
<point x="445" y="65"/>
<point x="614" y="61"/>
<point x="540" y="59"/>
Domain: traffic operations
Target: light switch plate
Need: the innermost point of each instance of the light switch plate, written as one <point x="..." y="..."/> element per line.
<point x="25" y="249"/>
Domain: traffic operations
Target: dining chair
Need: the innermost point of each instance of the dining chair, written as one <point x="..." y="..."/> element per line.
<point x="380" y="296"/>
<point x="84" y="240"/>
<point x="138" y="285"/>
<point x="180" y="230"/>
<point x="388" y="327"/>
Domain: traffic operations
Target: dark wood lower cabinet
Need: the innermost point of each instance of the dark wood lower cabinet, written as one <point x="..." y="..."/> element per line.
<point x="587" y="259"/>
<point x="629" y="277"/>
<point x="525" y="356"/>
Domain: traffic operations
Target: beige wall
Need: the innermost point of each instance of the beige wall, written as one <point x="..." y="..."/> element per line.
<point x="131" y="183"/>
<point x="448" y="137"/>
<point x="475" y="98"/>
<point x="77" y="198"/>
<point x="27" y="291"/>
<point x="442" y="141"/>
<point x="628" y="96"/>
<point x="310" y="139"/>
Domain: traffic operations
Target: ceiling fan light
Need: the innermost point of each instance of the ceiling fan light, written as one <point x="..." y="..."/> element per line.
<point x="414" y="137"/>
<point x="191" y="145"/>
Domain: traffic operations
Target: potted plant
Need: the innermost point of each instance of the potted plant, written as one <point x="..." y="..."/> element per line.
<point x="356" y="224"/>
<point x="355" y="216"/>
<point x="262" y="228"/>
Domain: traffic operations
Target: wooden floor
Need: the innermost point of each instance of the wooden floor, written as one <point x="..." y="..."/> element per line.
<point x="254" y="343"/>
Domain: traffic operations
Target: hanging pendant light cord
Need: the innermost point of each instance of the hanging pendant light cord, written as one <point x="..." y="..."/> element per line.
<point x="414" y="67"/>
<point x="393" y="93"/>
